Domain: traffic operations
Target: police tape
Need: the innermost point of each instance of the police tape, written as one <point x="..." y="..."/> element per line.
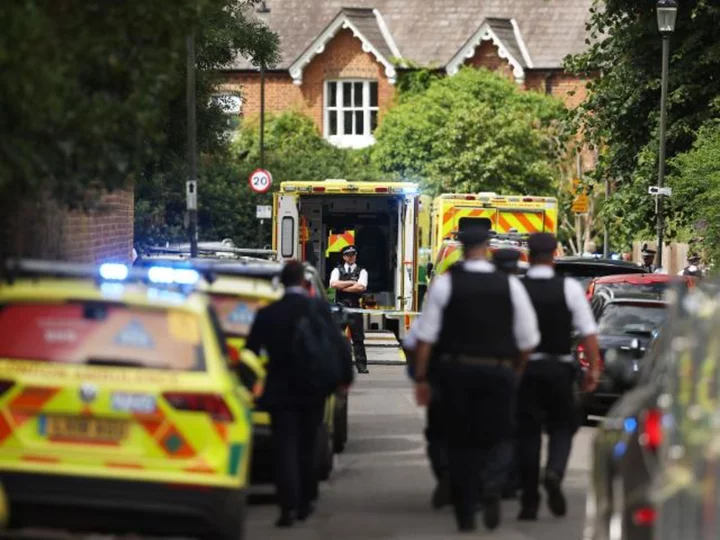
<point x="382" y="312"/>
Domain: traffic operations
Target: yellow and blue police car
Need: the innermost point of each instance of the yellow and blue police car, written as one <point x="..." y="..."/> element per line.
<point x="118" y="411"/>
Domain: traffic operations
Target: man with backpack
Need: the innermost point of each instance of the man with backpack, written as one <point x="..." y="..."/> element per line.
<point x="308" y="359"/>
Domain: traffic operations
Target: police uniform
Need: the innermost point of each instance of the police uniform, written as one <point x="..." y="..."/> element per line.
<point x="693" y="267"/>
<point x="353" y="272"/>
<point x="506" y="260"/>
<point x="478" y="320"/>
<point x="435" y="432"/>
<point x="646" y="254"/>
<point x="546" y="396"/>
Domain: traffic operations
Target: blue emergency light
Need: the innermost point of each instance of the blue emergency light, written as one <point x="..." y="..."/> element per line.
<point x="630" y="424"/>
<point x="159" y="275"/>
<point x="167" y="275"/>
<point x="114" y="271"/>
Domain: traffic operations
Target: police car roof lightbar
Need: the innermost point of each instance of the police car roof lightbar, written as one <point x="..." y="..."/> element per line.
<point x="106" y="272"/>
<point x="183" y="248"/>
<point x="261" y="268"/>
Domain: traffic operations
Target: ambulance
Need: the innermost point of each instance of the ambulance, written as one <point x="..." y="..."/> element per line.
<point x="511" y="218"/>
<point x="315" y="220"/>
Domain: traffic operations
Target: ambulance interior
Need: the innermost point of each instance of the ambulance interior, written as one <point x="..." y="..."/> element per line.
<point x="375" y="221"/>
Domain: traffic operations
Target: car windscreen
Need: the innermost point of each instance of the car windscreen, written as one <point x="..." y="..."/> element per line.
<point x="632" y="319"/>
<point x="101" y="334"/>
<point x="237" y="313"/>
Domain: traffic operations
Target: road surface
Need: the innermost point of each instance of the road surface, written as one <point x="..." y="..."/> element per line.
<point x="381" y="486"/>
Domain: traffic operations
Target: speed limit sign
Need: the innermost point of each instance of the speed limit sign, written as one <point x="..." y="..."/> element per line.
<point x="260" y="180"/>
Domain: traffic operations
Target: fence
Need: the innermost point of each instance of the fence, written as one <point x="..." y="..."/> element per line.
<point x="674" y="255"/>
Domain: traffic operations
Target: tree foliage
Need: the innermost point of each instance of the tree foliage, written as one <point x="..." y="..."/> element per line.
<point x="475" y="131"/>
<point x="93" y="91"/>
<point x="294" y="150"/>
<point x="696" y="180"/>
<point x="621" y="113"/>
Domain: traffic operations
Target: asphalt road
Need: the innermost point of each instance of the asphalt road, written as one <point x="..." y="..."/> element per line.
<point x="381" y="485"/>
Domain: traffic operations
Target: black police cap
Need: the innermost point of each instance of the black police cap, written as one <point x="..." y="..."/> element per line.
<point x="348" y="249"/>
<point x="474" y="236"/>
<point x="542" y="243"/>
<point x="646" y="251"/>
<point x="506" y="255"/>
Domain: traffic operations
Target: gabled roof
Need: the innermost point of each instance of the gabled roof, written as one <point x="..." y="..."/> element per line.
<point x="431" y="32"/>
<point x="505" y="35"/>
<point x="368" y="26"/>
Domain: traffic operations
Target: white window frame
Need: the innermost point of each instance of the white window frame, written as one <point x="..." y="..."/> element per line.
<point x="349" y="140"/>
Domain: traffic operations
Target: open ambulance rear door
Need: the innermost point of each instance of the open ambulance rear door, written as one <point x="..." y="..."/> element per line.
<point x="286" y="235"/>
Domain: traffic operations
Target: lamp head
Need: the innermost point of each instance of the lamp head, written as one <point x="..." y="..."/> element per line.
<point x="666" y="15"/>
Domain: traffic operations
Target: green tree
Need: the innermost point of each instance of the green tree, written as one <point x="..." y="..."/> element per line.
<point x="475" y="131"/>
<point x="91" y="91"/>
<point x="294" y="150"/>
<point x="621" y="113"/>
<point x="696" y="180"/>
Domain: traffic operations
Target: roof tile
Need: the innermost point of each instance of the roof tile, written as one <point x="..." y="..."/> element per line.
<point x="430" y="32"/>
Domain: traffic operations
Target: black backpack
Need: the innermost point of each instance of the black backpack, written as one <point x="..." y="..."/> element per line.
<point x="315" y="355"/>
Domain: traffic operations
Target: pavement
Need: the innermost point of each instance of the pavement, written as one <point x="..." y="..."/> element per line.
<point x="380" y="488"/>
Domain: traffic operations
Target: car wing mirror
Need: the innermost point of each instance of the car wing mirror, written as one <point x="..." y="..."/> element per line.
<point x="636" y="348"/>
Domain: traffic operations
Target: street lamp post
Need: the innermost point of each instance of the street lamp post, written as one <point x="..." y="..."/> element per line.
<point x="191" y="189"/>
<point x="666" y="15"/>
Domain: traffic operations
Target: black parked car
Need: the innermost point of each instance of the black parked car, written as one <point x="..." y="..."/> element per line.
<point x="653" y="465"/>
<point x="584" y="269"/>
<point x="626" y="327"/>
<point x="625" y="458"/>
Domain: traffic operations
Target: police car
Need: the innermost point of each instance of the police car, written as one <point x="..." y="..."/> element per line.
<point x="117" y="408"/>
<point x="238" y="290"/>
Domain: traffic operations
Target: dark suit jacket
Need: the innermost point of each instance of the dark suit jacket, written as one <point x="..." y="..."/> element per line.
<point x="273" y="329"/>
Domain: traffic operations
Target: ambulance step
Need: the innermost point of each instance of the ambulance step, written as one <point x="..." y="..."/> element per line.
<point x="384" y="338"/>
<point x="382" y="348"/>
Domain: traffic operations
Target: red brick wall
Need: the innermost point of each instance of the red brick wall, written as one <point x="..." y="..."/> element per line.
<point x="571" y="89"/>
<point x="102" y="236"/>
<point x="486" y="55"/>
<point x="42" y="229"/>
<point x="343" y="58"/>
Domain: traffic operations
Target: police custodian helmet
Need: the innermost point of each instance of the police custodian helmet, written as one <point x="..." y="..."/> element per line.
<point x="542" y="244"/>
<point x="506" y="259"/>
<point x="473" y="236"/>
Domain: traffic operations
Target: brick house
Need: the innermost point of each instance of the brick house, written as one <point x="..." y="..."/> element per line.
<point x="340" y="58"/>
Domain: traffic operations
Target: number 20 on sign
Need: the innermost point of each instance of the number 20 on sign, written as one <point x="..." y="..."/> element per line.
<point x="260" y="180"/>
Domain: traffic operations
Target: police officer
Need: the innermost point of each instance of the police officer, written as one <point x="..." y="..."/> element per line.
<point x="435" y="432"/>
<point x="546" y="395"/>
<point x="648" y="256"/>
<point x="350" y="282"/>
<point x="479" y="322"/>
<point x="693" y="267"/>
<point x="507" y="260"/>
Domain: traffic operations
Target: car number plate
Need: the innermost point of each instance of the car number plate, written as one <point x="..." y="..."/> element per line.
<point x="79" y="428"/>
